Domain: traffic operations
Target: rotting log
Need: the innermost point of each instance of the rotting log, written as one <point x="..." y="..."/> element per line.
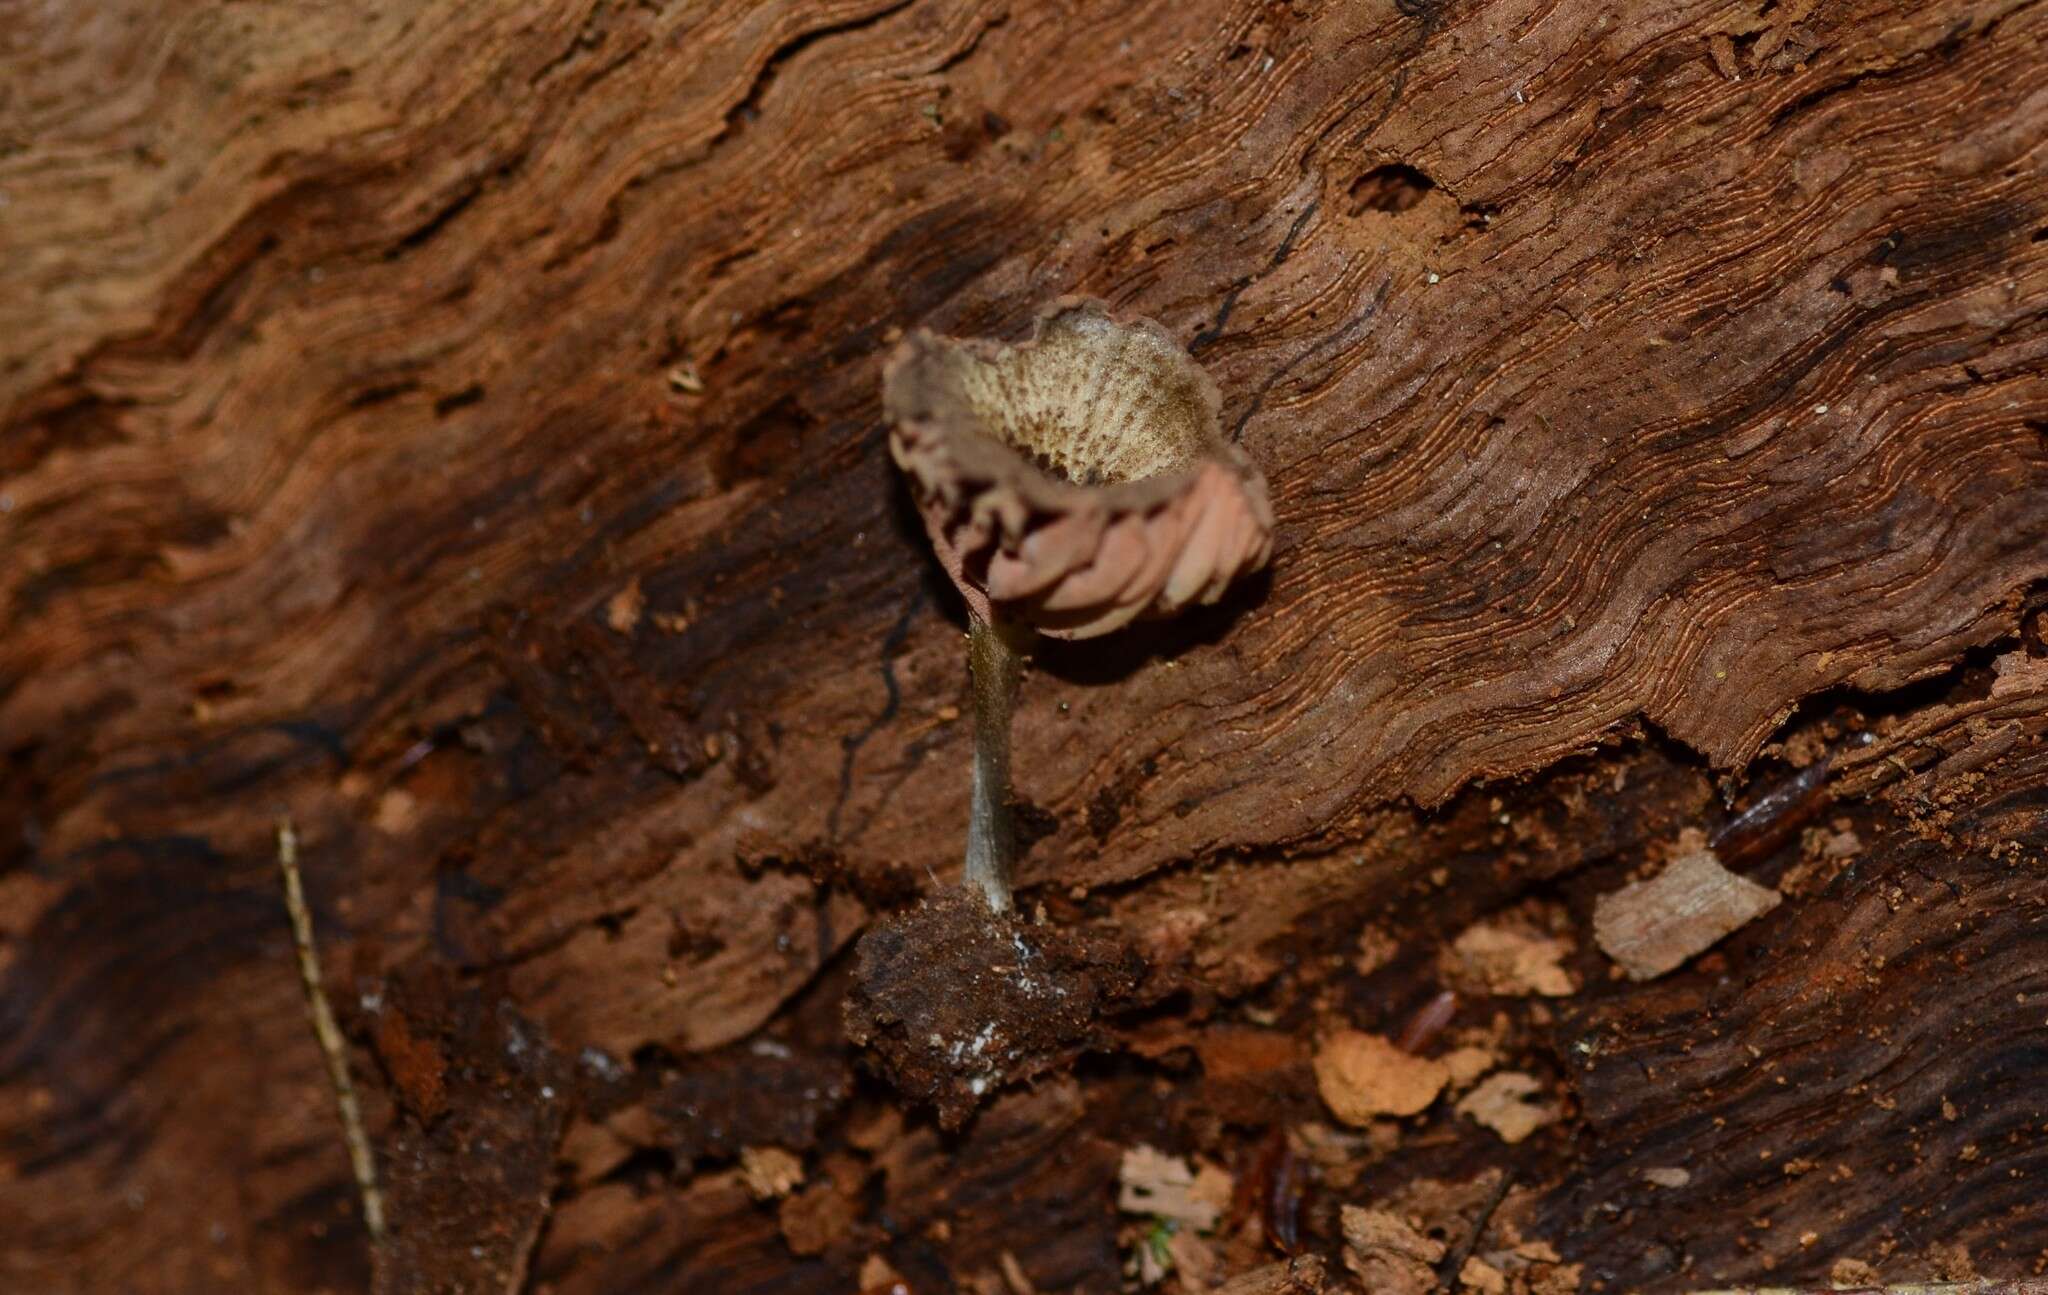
<point x="456" y="426"/>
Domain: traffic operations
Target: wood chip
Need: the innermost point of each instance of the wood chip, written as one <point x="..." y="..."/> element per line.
<point x="1502" y="1104"/>
<point x="1302" y="1276"/>
<point x="770" y="1172"/>
<point x="1722" y="49"/>
<point x="818" y="1217"/>
<point x="622" y="612"/>
<point x="1510" y="958"/>
<point x="1362" y="1076"/>
<point x="1652" y="927"/>
<point x="1389" y="1256"/>
<point x="1852" y="1272"/>
<point x="2017" y="675"/>
<point x="1376" y="948"/>
<point x="1479" y="1275"/>
<point x="876" y="1274"/>
<point x="1824" y="853"/>
<point x="1468" y="1063"/>
<point x="1193" y="1258"/>
<point x="1013" y="1276"/>
<point x="1156" y="1184"/>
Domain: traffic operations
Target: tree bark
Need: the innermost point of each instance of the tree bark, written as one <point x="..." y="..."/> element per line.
<point x="456" y="427"/>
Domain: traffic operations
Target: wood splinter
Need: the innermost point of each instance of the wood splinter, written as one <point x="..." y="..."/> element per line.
<point x="332" y="1046"/>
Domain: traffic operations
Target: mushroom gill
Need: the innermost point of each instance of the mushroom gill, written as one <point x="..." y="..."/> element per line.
<point x="1079" y="480"/>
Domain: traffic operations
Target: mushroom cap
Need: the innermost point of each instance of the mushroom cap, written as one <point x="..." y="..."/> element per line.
<point x="1079" y="480"/>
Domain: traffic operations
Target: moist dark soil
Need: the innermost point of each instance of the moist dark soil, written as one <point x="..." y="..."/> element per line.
<point x="955" y="1001"/>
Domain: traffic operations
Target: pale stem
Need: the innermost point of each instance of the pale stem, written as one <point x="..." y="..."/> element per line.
<point x="995" y="658"/>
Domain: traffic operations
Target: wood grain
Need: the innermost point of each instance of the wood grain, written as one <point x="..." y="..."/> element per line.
<point x="1616" y="369"/>
<point x="1863" y="1084"/>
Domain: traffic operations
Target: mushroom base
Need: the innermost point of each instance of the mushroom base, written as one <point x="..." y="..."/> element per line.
<point x="955" y="1001"/>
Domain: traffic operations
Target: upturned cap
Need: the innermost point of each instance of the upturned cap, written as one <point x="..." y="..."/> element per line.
<point x="1079" y="480"/>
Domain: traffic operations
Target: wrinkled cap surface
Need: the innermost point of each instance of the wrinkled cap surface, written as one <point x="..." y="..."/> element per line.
<point x="1079" y="480"/>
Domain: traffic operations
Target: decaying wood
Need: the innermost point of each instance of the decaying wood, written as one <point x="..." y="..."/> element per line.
<point x="1300" y="1277"/>
<point x="1866" y="1081"/>
<point x="1651" y="927"/>
<point x="457" y="426"/>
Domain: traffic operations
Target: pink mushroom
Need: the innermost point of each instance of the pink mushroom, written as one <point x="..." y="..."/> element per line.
<point x="1080" y="480"/>
<point x="1070" y="485"/>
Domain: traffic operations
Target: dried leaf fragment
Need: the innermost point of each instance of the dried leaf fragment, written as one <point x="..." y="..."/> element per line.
<point x="1652" y="927"/>
<point x="1362" y="1076"/>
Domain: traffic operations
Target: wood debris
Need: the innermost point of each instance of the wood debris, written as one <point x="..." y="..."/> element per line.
<point x="2016" y="674"/>
<point x="1653" y="927"/>
<point x="1479" y="1275"/>
<point x="1823" y="853"/>
<point x="1155" y="1184"/>
<point x="1362" y="1076"/>
<point x="1534" y="1268"/>
<point x="770" y="1172"/>
<point x="1302" y="1276"/>
<point x="622" y="611"/>
<point x="1013" y="1276"/>
<point x="814" y="1219"/>
<point x="1509" y="956"/>
<point x="1376" y="948"/>
<point x="1340" y="1155"/>
<point x="1852" y="1272"/>
<point x="1389" y="1256"/>
<point x="333" y="1047"/>
<point x="1193" y="1258"/>
<point x="1502" y="1104"/>
<point x="1468" y="1063"/>
<point x="877" y="1274"/>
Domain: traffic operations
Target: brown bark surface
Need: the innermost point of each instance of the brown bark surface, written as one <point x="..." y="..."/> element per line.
<point x="457" y="426"/>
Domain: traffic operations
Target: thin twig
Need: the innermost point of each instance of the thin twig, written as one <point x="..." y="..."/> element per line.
<point x="328" y="1033"/>
<point x="1454" y="1262"/>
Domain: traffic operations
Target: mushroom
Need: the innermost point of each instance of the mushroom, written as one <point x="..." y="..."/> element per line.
<point x="1070" y="485"/>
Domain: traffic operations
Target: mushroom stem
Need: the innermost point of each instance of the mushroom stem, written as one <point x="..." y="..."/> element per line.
<point x="995" y="657"/>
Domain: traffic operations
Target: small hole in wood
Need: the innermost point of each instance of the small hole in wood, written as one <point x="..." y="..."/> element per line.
<point x="1395" y="187"/>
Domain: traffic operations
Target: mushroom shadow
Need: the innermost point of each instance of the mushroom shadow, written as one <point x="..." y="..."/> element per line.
<point x="908" y="524"/>
<point x="1115" y="657"/>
